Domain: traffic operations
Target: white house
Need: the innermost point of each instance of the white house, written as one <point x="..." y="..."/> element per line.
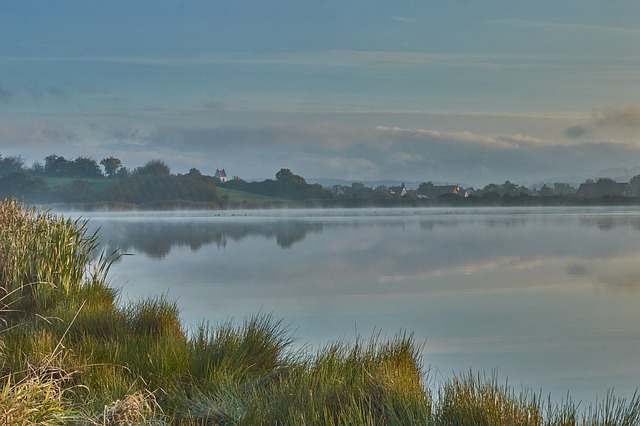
<point x="221" y="175"/>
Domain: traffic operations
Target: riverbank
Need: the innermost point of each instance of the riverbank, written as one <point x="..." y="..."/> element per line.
<point x="73" y="353"/>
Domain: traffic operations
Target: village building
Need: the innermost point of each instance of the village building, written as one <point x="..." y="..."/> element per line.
<point x="604" y="188"/>
<point x="399" y="190"/>
<point x="221" y="175"/>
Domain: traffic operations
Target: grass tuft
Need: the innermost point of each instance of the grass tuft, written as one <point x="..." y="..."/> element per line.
<point x="139" y="408"/>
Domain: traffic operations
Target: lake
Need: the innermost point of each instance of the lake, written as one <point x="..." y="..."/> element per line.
<point x="547" y="296"/>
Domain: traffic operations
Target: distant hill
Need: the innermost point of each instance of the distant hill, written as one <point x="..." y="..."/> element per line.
<point x="619" y="174"/>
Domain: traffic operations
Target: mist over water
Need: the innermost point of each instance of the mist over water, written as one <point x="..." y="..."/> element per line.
<point x="548" y="297"/>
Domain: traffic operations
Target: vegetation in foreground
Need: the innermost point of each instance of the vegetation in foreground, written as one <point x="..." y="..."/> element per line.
<point x="70" y="353"/>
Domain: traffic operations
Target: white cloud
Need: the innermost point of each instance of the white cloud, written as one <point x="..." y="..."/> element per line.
<point x="464" y="136"/>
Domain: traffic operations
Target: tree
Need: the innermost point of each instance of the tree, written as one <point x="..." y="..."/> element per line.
<point x="426" y="188"/>
<point x="152" y="168"/>
<point x="606" y="181"/>
<point x="81" y="167"/>
<point x="122" y="173"/>
<point x="287" y="177"/>
<point x="84" y="167"/>
<point x="634" y="184"/>
<point x="77" y="191"/>
<point x="11" y="164"/>
<point x="37" y="168"/>
<point x="111" y="166"/>
<point x="545" y="191"/>
<point x="21" y="184"/>
<point x="55" y="165"/>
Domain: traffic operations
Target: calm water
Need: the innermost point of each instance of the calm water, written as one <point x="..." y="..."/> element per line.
<point x="548" y="297"/>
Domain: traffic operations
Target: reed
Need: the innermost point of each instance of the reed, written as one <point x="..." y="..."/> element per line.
<point x="44" y="258"/>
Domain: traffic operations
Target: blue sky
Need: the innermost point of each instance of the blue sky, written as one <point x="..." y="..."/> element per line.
<point x="455" y="91"/>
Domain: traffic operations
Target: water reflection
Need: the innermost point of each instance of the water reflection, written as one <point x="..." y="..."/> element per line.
<point x="156" y="238"/>
<point x="549" y="297"/>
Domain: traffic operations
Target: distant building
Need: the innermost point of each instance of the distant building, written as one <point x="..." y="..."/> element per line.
<point x="399" y="190"/>
<point x="221" y="175"/>
<point x="604" y="189"/>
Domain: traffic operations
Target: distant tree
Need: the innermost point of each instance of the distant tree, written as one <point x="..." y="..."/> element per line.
<point x="426" y="188"/>
<point x="563" y="188"/>
<point x="37" y="168"/>
<point x="509" y="188"/>
<point x="11" y="164"/>
<point x="122" y="173"/>
<point x="81" y="167"/>
<point x="111" y="166"/>
<point x="194" y="171"/>
<point x="22" y="184"/>
<point x="145" y="189"/>
<point x="606" y="181"/>
<point x="55" y="165"/>
<point x="285" y="176"/>
<point x="382" y="192"/>
<point x="545" y="191"/>
<point x="152" y="168"/>
<point x="77" y="191"/>
<point x="84" y="167"/>
<point x="634" y="184"/>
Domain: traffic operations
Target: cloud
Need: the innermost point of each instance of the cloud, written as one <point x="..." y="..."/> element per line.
<point x="5" y="94"/>
<point x="35" y="135"/>
<point x="465" y="136"/>
<point x="575" y="132"/>
<point x="126" y="134"/>
<point x="350" y="168"/>
<point x="610" y="120"/>
<point x="363" y="153"/>
<point x="619" y="117"/>
<point x="324" y="137"/>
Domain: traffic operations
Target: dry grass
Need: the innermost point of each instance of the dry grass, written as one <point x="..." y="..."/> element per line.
<point x="139" y="408"/>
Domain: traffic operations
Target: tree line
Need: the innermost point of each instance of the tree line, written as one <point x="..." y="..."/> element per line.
<point x="286" y="185"/>
<point x="82" y="180"/>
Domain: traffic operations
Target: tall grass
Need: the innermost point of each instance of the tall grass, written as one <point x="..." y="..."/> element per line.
<point x="72" y="353"/>
<point x="43" y="257"/>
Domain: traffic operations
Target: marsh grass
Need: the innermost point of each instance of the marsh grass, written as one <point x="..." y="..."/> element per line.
<point x="135" y="363"/>
<point x="480" y="400"/>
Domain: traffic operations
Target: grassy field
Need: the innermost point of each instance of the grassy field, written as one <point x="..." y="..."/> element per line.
<point x="241" y="196"/>
<point x="233" y="198"/>
<point x="71" y="353"/>
<point x="97" y="184"/>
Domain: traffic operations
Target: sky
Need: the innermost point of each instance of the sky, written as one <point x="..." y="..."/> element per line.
<point x="451" y="91"/>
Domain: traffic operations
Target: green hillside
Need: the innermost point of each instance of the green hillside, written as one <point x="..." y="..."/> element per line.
<point x="238" y="196"/>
